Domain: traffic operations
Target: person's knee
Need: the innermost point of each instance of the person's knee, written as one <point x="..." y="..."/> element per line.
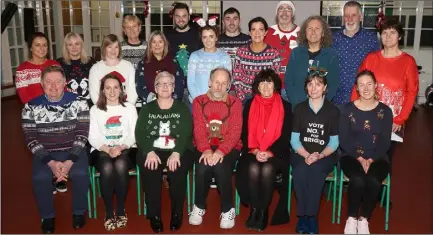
<point x="201" y="169"/>
<point x="268" y="169"/>
<point x="358" y="181"/>
<point x="42" y="175"/>
<point x="121" y="166"/>
<point x="373" y="182"/>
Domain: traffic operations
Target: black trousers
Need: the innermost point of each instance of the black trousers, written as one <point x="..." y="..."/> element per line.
<point x="364" y="188"/>
<point x="152" y="183"/>
<point x="223" y="177"/>
<point x="308" y="182"/>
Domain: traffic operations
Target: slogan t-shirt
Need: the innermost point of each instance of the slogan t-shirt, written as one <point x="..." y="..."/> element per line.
<point x="315" y="128"/>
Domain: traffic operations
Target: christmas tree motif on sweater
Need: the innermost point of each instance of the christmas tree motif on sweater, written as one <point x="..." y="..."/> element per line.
<point x="165" y="141"/>
<point x="182" y="56"/>
<point x="114" y="133"/>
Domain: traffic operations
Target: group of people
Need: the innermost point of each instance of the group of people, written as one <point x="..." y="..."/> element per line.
<point x="192" y="99"/>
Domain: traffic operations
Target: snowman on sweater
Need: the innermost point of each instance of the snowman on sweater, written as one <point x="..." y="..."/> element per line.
<point x="164" y="141"/>
<point x="114" y="130"/>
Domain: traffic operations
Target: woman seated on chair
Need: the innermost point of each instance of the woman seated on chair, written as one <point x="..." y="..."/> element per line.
<point x="111" y="134"/>
<point x="365" y="137"/>
<point x="264" y="155"/>
<point x="163" y="133"/>
<point x="314" y="140"/>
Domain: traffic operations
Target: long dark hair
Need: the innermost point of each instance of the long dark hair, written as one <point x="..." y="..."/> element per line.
<point x="102" y="100"/>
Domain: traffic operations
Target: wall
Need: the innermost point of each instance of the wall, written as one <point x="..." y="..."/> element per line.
<point x="267" y="9"/>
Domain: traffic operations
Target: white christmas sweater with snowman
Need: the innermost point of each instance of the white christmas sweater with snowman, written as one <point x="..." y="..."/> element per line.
<point x="113" y="127"/>
<point x="164" y="129"/>
<point x="124" y="70"/>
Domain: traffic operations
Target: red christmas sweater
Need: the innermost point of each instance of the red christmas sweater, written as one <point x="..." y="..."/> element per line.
<point x="397" y="82"/>
<point x="28" y="79"/>
<point x="284" y="42"/>
<point x="217" y="123"/>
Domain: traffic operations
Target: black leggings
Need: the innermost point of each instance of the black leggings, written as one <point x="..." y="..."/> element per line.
<point x="114" y="178"/>
<point x="261" y="179"/>
<point x="364" y="189"/>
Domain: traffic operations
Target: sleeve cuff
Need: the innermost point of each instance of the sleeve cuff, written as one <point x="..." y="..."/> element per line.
<point x="46" y="158"/>
<point x="72" y="157"/>
<point x="222" y="151"/>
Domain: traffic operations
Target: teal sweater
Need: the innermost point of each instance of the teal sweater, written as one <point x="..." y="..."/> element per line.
<point x="164" y="130"/>
<point x="297" y="72"/>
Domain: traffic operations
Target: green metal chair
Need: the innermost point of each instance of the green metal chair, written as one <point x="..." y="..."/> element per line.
<point x="331" y="178"/>
<point x="94" y="182"/>
<point x="385" y="195"/>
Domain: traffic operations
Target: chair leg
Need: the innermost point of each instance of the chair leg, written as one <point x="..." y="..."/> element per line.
<point x="188" y="192"/>
<point x="89" y="204"/>
<point x="388" y="199"/>
<point x="340" y="196"/>
<point x="334" y="194"/>
<point x="95" y="215"/>
<point x="237" y="202"/>
<point x="138" y="184"/>
<point x="193" y="185"/>
<point x="331" y="184"/>
<point x="289" y="203"/>
<point x="382" y="198"/>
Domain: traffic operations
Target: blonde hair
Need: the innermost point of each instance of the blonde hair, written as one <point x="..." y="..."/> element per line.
<point x="131" y="18"/>
<point x="149" y="52"/>
<point x="107" y="41"/>
<point x="84" y="58"/>
<point x="164" y="74"/>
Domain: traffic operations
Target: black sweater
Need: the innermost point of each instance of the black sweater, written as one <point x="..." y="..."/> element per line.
<point x="281" y="145"/>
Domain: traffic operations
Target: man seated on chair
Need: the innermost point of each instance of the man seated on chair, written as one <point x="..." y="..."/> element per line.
<point x="56" y="126"/>
<point x="217" y="118"/>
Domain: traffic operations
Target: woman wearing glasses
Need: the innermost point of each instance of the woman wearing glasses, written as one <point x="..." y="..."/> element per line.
<point x="314" y="140"/>
<point x="163" y="133"/>
<point x="314" y="51"/>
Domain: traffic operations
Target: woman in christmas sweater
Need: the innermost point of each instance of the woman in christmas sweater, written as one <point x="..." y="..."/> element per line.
<point x="156" y="60"/>
<point x="163" y="133"/>
<point x="365" y="137"/>
<point x="112" y="63"/>
<point x="111" y="134"/>
<point x="264" y="155"/>
<point x="28" y="74"/>
<point x="314" y="140"/>
<point x="201" y="62"/>
<point x="397" y="76"/>
<point x="252" y="58"/>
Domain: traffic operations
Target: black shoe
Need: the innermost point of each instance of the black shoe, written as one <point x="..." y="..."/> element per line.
<point x="61" y="187"/>
<point x="262" y="220"/>
<point x="252" y="219"/>
<point x="156" y="224"/>
<point x="78" y="221"/>
<point x="175" y="222"/>
<point x="48" y="226"/>
<point x="302" y="226"/>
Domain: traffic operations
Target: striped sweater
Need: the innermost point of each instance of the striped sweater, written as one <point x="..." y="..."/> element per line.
<point x="56" y="126"/>
<point x="248" y="63"/>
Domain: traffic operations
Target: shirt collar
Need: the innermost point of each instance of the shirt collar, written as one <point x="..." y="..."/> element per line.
<point x="320" y="107"/>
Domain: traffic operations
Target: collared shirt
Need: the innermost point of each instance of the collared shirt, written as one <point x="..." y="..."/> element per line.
<point x="351" y="52"/>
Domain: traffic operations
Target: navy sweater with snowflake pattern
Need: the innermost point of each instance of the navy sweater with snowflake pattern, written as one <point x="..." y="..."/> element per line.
<point x="56" y="126"/>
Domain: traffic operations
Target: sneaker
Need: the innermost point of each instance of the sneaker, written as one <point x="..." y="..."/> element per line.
<point x="61" y="186"/>
<point x="351" y="226"/>
<point x="196" y="216"/>
<point x="213" y="183"/>
<point x="228" y="219"/>
<point x="363" y="226"/>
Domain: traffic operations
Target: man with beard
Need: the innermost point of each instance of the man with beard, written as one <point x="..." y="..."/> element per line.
<point x="282" y="36"/>
<point x="232" y="38"/>
<point x="352" y="44"/>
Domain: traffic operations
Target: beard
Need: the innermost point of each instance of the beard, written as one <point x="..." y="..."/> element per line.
<point x="182" y="27"/>
<point x="351" y="28"/>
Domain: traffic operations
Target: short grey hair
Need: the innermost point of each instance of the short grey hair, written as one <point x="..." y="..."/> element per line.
<point x="163" y="74"/>
<point x="221" y="69"/>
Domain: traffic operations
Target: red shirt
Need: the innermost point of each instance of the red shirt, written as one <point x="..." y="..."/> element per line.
<point x="397" y="82"/>
<point x="28" y="79"/>
<point x="207" y="112"/>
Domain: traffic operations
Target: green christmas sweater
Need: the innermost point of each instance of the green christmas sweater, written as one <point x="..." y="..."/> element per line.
<point x="164" y="129"/>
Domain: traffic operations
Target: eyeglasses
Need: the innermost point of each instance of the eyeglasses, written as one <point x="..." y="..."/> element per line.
<point x="285" y="9"/>
<point x="164" y="84"/>
<point x="321" y="72"/>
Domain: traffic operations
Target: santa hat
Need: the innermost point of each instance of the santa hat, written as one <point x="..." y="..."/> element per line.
<point x="200" y="21"/>
<point x="113" y="122"/>
<point x="212" y="20"/>
<point x="290" y="3"/>
<point x="215" y="118"/>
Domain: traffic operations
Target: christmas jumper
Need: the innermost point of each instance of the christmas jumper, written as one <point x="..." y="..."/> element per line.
<point x="397" y="82"/>
<point x="182" y="44"/>
<point x="133" y="53"/>
<point x="113" y="127"/>
<point x="146" y="73"/>
<point x="164" y="129"/>
<point x="217" y="124"/>
<point x="284" y="42"/>
<point x="28" y="79"/>
<point x="56" y="126"/>
<point x="77" y="76"/>
<point x="363" y="133"/>
<point x="231" y="44"/>
<point x="351" y="51"/>
<point x="124" y="70"/>
<point x="248" y="63"/>
<point x="200" y="65"/>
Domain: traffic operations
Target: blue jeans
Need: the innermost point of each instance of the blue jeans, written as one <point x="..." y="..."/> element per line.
<point x="42" y="178"/>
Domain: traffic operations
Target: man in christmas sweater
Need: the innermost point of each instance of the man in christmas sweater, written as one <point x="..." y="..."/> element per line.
<point x="55" y="127"/>
<point x="217" y="118"/>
